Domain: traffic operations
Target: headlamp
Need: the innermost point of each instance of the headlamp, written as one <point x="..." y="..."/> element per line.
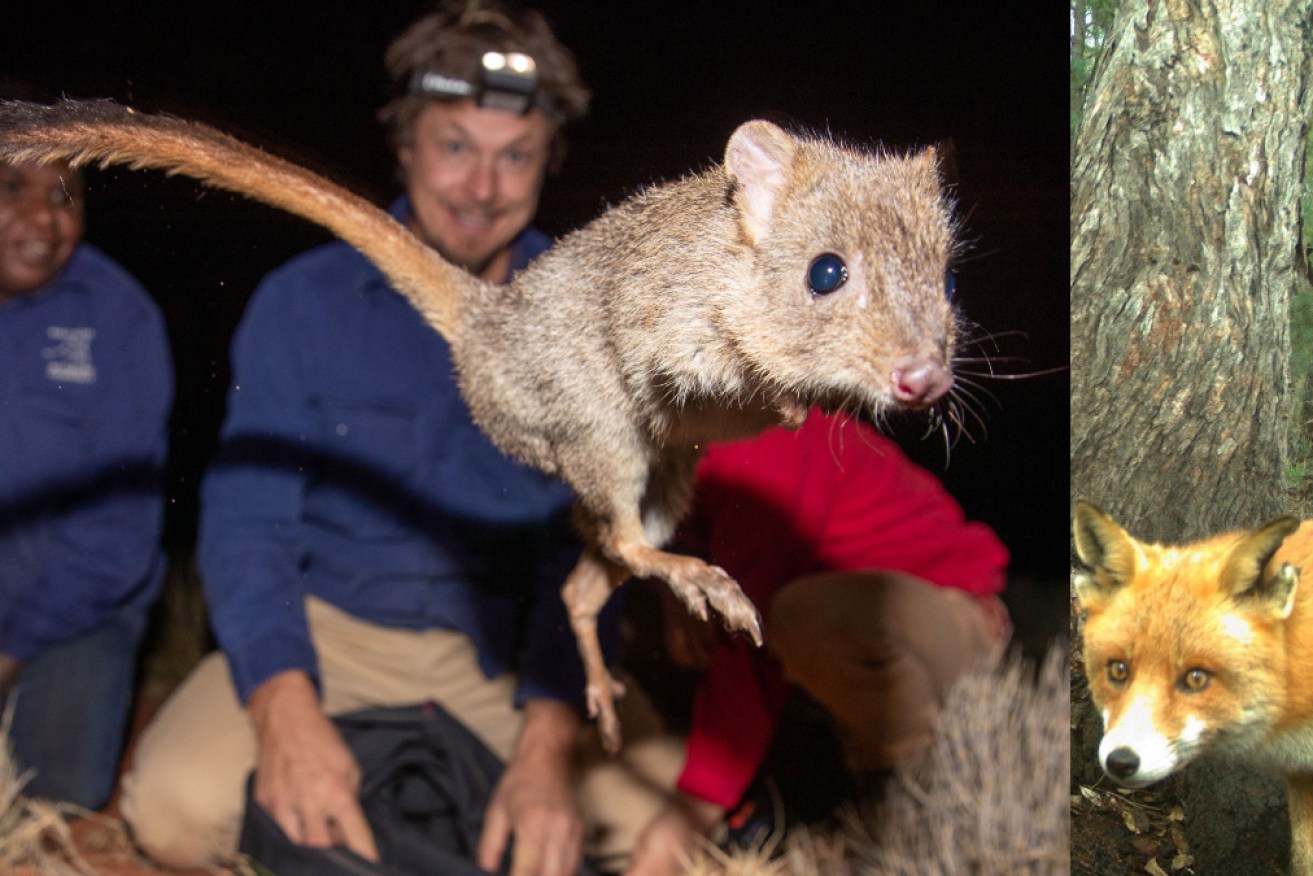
<point x="507" y="81"/>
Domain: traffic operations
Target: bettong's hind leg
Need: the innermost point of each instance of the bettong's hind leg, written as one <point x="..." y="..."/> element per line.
<point x="621" y="546"/>
<point x="696" y="583"/>
<point x="586" y="590"/>
<point x="591" y="583"/>
<point x="631" y="541"/>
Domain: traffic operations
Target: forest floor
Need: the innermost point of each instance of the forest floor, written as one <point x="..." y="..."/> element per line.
<point x="1119" y="831"/>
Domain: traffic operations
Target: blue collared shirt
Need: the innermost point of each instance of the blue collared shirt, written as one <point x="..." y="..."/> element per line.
<point x="86" y="385"/>
<point x="350" y="469"/>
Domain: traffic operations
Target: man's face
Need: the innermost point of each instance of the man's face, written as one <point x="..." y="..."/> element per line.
<point x="474" y="176"/>
<point x="40" y="224"/>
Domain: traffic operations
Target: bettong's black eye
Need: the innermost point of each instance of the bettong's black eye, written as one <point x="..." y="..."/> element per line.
<point x="827" y="273"/>
<point x="950" y="285"/>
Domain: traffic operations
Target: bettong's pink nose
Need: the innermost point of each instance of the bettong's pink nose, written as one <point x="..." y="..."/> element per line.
<point x="918" y="382"/>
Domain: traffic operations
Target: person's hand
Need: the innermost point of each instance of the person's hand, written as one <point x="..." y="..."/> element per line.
<point x="9" y="670"/>
<point x="669" y="843"/>
<point x="534" y="802"/>
<point x="305" y="776"/>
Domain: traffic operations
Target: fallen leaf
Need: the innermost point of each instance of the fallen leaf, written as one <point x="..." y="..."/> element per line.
<point x="1145" y="845"/>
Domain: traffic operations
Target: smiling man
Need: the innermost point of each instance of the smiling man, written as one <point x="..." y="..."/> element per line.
<point x="362" y="543"/>
<point x="86" y="384"/>
<point x="474" y="177"/>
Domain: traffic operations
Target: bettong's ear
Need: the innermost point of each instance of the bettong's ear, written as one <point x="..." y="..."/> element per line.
<point x="942" y="157"/>
<point x="759" y="158"/>
<point x="1246" y="571"/>
<point x="1109" y="551"/>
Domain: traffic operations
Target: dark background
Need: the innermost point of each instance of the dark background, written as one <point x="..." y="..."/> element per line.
<point x="671" y="81"/>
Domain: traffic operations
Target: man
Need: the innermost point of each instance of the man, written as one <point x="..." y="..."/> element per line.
<point x="876" y="594"/>
<point x="362" y="543"/>
<point x="86" y="384"/>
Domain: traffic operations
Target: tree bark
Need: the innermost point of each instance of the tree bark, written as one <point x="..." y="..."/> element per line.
<point x="1187" y="171"/>
<point x="1186" y="179"/>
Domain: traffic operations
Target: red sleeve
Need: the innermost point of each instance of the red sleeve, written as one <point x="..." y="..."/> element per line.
<point x="734" y="715"/>
<point x="834" y="495"/>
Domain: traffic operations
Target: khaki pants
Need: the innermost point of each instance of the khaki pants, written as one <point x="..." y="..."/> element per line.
<point x="184" y="795"/>
<point x="878" y="651"/>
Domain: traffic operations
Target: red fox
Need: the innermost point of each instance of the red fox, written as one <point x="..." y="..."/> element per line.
<point x="1205" y="647"/>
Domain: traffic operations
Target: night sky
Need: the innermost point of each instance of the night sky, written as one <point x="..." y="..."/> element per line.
<point x="671" y="80"/>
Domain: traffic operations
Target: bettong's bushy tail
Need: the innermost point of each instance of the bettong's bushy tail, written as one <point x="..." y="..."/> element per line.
<point x="105" y="132"/>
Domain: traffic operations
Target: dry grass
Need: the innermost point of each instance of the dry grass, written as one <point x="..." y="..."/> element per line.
<point x="34" y="834"/>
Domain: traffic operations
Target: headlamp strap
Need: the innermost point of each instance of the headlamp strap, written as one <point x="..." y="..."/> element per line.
<point x="507" y="81"/>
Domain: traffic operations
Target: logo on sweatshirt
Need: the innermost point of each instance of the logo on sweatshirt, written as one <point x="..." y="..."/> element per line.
<point x="69" y="360"/>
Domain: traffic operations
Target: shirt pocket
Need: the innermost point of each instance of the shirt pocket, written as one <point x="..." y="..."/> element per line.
<point x="366" y="482"/>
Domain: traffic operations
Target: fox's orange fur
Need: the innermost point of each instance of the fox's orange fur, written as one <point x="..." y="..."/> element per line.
<point x="1204" y="647"/>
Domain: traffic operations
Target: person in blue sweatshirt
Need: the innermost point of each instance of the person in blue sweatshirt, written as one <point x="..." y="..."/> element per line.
<point x="86" y="387"/>
<point x="362" y="542"/>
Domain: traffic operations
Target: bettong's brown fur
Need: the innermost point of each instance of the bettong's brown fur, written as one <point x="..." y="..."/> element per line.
<point x="681" y="316"/>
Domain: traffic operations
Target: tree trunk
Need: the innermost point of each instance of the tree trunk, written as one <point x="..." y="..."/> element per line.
<point x="1187" y="172"/>
<point x="1081" y="52"/>
<point x="1186" y="178"/>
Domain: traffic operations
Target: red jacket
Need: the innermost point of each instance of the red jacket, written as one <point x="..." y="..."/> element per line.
<point x="834" y="495"/>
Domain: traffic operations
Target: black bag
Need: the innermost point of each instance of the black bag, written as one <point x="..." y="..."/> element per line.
<point x="425" y="783"/>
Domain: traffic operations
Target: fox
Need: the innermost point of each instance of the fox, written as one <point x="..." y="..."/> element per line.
<point x="1201" y="648"/>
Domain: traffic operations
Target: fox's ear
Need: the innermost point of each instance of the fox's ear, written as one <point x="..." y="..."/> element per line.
<point x="1245" y="573"/>
<point x="1106" y="548"/>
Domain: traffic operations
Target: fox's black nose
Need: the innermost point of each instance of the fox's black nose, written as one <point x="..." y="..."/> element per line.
<point x="1122" y="763"/>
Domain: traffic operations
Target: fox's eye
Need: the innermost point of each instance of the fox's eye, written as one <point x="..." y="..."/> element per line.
<point x="1196" y="680"/>
<point x="1118" y="671"/>
<point x="826" y="274"/>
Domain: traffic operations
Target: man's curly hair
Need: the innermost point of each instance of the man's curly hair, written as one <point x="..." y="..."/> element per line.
<point x="453" y="40"/>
